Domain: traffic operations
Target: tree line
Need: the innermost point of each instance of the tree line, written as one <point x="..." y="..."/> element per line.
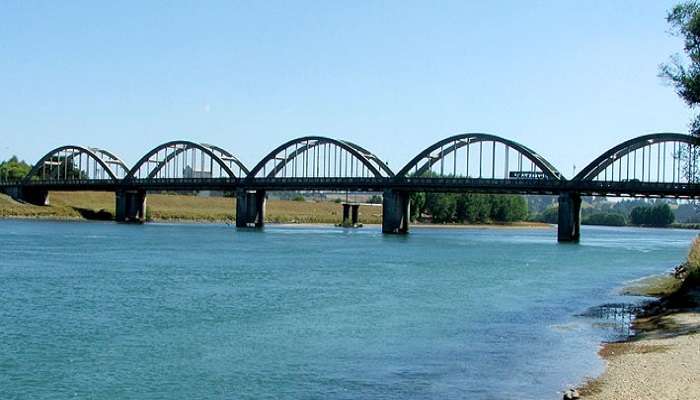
<point x="635" y="212"/>
<point x="13" y="169"/>
<point x="467" y="207"/>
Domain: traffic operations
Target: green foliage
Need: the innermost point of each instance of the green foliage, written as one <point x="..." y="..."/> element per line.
<point x="608" y="219"/>
<point x="549" y="216"/>
<point x="684" y="19"/>
<point x="298" y="197"/>
<point x="508" y="208"/>
<point x="693" y="264"/>
<point x="473" y="208"/>
<point x="375" y="199"/>
<point x="658" y="215"/>
<point x="13" y="169"/>
<point x="441" y="206"/>
<point x="469" y="207"/>
<point x="417" y="205"/>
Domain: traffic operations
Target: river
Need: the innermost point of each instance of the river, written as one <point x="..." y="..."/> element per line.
<point x="160" y="311"/>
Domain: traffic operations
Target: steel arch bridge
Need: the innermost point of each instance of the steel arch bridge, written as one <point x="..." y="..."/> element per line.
<point x="319" y="163"/>
<point x="480" y="162"/>
<point x="653" y="165"/>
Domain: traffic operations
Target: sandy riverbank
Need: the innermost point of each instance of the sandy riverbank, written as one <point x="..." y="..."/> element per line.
<point x="662" y="361"/>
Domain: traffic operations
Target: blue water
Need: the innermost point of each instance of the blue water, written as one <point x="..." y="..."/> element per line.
<point x="107" y="311"/>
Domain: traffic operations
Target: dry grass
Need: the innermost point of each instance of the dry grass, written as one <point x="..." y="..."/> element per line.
<point x="669" y="285"/>
<point x="11" y="208"/>
<point x="655" y="286"/>
<point x="164" y="207"/>
<point x="693" y="263"/>
<point x="312" y="212"/>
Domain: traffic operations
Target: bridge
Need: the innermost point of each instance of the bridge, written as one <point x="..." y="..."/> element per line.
<point x="654" y="165"/>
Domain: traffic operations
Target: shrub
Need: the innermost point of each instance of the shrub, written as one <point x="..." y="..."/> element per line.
<point x="608" y="219"/>
<point x="693" y="263"/>
<point x="658" y="215"/>
<point x="375" y="199"/>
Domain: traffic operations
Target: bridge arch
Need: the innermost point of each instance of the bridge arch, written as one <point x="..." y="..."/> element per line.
<point x="320" y="157"/>
<point x="186" y="159"/>
<point x="73" y="162"/>
<point x="655" y="157"/>
<point x="465" y="154"/>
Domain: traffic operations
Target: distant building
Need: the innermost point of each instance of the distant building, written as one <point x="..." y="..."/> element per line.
<point x="190" y="173"/>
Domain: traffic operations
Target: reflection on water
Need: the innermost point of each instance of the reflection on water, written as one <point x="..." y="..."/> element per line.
<point x="615" y="318"/>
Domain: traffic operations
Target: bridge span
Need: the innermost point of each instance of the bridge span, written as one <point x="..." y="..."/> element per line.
<point x="654" y="165"/>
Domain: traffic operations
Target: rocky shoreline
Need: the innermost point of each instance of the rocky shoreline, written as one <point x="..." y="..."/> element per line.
<point x="661" y="359"/>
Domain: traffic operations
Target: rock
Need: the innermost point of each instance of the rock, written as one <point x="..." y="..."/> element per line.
<point x="681" y="271"/>
<point x="571" y="394"/>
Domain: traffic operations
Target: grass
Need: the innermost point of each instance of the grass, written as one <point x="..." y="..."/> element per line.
<point x="693" y="263"/>
<point x="11" y="208"/>
<point x="655" y="286"/>
<point x="172" y="207"/>
<point x="669" y="285"/>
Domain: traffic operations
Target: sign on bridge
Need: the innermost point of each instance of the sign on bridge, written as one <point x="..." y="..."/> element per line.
<point x="527" y="175"/>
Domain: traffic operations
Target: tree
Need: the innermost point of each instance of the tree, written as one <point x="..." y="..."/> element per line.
<point x="605" y="218"/>
<point x="441" y="206"/>
<point x="684" y="19"/>
<point x="417" y="205"/>
<point x="375" y="199"/>
<point x="508" y="208"/>
<point x="13" y="169"/>
<point x="550" y="215"/>
<point x="473" y="208"/>
<point x="658" y="215"/>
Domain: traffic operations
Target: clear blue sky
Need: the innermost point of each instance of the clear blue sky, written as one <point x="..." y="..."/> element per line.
<point x="568" y="79"/>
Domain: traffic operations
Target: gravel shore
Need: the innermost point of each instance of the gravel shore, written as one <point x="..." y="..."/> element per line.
<point x="661" y="362"/>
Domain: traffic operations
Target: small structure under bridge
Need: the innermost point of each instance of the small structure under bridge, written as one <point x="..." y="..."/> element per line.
<point x="654" y="165"/>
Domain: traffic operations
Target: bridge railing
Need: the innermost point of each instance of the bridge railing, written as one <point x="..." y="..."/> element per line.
<point x="68" y="182"/>
<point x="534" y="186"/>
<point x="638" y="189"/>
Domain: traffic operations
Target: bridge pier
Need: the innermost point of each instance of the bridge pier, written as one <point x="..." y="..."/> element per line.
<point x="569" y="224"/>
<point x="396" y="212"/>
<point x="250" y="208"/>
<point x="131" y="206"/>
<point x="351" y="214"/>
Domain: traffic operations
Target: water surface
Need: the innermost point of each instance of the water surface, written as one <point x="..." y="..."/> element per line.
<point x="107" y="311"/>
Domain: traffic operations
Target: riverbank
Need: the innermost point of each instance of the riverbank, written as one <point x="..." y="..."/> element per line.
<point x="178" y="208"/>
<point x="197" y="209"/>
<point x="662" y="359"/>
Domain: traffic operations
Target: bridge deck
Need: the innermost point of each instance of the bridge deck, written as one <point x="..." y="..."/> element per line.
<point x="504" y="186"/>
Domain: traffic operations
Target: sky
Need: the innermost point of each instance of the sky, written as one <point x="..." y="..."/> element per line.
<point x="569" y="79"/>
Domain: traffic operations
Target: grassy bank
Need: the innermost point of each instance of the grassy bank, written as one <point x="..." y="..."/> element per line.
<point x="662" y="359"/>
<point x="178" y="207"/>
<point x="164" y="207"/>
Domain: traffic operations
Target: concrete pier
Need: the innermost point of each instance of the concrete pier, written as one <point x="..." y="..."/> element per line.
<point x="131" y="206"/>
<point x="396" y="212"/>
<point x="250" y="208"/>
<point x="351" y="214"/>
<point x="569" y="224"/>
